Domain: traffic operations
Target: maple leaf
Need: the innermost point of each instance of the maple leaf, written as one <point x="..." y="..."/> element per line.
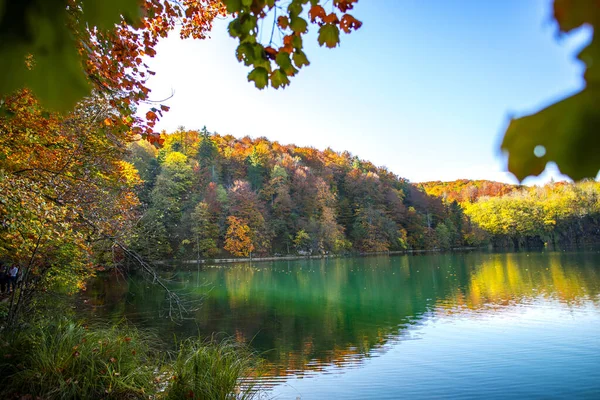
<point x="259" y="76"/>
<point x="283" y="22"/>
<point x="300" y="59"/>
<point x="271" y="52"/>
<point x="331" y="19"/>
<point x="233" y="6"/>
<point x="285" y="63"/>
<point x="279" y="79"/>
<point x="151" y="115"/>
<point x="348" y="23"/>
<point x="298" y="24"/>
<point x="344" y="5"/>
<point x="315" y="12"/>
<point x="329" y="35"/>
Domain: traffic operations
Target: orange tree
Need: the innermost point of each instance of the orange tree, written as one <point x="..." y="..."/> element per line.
<point x="63" y="185"/>
<point x="239" y="237"/>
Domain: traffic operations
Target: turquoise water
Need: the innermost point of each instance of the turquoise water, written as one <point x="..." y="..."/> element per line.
<point x="469" y="325"/>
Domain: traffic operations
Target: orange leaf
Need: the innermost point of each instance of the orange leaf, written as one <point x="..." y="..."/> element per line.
<point x="271" y="52"/>
<point x="349" y="22"/>
<point x="316" y="12"/>
<point x="331" y="19"/>
<point x="344" y="5"/>
<point x="151" y="115"/>
<point x="283" y="22"/>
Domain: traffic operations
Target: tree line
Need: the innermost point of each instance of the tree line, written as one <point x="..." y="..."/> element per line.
<point x="558" y="213"/>
<point x="207" y="195"/>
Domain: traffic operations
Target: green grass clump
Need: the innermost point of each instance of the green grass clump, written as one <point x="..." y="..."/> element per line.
<point x="207" y="370"/>
<point x="66" y="360"/>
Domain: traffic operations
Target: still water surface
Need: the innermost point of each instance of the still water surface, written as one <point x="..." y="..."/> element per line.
<point x="472" y="325"/>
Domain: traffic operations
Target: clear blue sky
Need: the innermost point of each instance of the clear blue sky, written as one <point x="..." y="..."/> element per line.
<point x="424" y="87"/>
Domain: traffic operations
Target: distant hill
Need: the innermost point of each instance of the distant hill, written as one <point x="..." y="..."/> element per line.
<point x="209" y="195"/>
<point x="465" y="190"/>
<point x="216" y="195"/>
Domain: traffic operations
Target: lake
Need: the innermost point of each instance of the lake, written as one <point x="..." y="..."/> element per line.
<point x="468" y="325"/>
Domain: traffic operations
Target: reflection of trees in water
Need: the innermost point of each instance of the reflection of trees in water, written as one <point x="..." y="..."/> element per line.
<point x="306" y="315"/>
<point x="505" y="279"/>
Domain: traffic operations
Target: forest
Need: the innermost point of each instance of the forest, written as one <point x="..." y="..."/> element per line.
<point x="558" y="213"/>
<point x="209" y="195"/>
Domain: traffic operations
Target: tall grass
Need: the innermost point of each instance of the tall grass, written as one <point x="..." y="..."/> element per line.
<point x="66" y="360"/>
<point x="207" y="370"/>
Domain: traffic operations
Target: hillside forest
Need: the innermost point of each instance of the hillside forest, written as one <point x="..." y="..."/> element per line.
<point x="208" y="195"/>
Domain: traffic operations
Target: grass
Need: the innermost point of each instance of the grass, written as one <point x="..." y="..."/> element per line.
<point x="66" y="360"/>
<point x="210" y="370"/>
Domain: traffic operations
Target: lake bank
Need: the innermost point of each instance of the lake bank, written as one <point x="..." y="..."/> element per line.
<point x="212" y="261"/>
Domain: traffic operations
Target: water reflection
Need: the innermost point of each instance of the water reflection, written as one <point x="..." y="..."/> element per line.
<point x="314" y="315"/>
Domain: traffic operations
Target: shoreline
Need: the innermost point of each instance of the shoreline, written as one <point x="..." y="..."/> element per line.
<point x="212" y="261"/>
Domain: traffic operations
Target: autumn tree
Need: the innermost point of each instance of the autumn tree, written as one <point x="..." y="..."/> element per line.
<point x="64" y="189"/>
<point x="90" y="45"/>
<point x="245" y="206"/>
<point x="238" y="239"/>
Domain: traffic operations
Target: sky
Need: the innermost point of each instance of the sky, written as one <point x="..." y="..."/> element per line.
<point x="425" y="88"/>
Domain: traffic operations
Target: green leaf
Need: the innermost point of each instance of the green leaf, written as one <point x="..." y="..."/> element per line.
<point x="247" y="3"/>
<point x="260" y="76"/>
<point x="298" y="24"/>
<point x="297" y="42"/>
<point x="235" y="28"/>
<point x="248" y="23"/>
<point x="57" y="77"/>
<point x="233" y="5"/>
<point x="295" y="8"/>
<point x="300" y="59"/>
<point x="279" y="79"/>
<point x="104" y="14"/>
<point x="285" y="63"/>
<point x="329" y="35"/>
<point x="590" y="55"/>
<point x="571" y="14"/>
<point x="245" y="52"/>
<point x="567" y="130"/>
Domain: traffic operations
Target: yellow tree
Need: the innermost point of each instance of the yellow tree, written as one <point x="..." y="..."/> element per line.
<point x="238" y="240"/>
